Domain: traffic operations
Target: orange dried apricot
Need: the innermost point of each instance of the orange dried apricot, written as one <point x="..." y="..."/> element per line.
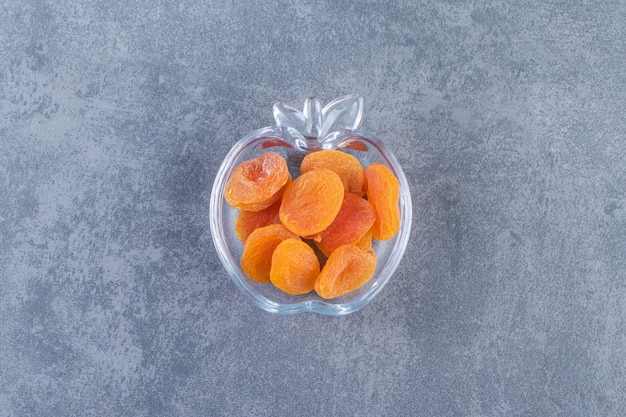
<point x="326" y="204"/>
<point x="343" y="164"/>
<point x="311" y="202"/>
<point x="383" y="191"/>
<point x="295" y="267"/>
<point x="257" y="183"/>
<point x="366" y="241"/>
<point x="346" y="270"/>
<point x="247" y="221"/>
<point x="354" y="220"/>
<point x="256" y="259"/>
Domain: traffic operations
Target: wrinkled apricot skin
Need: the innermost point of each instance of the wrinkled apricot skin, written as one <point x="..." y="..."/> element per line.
<point x="311" y="202"/>
<point x="257" y="183"/>
<point x="354" y="220"/>
<point x="343" y="164"/>
<point x="383" y="192"/>
<point x="348" y="267"/>
<point x="256" y="259"/>
<point x="247" y="221"/>
<point x="295" y="267"/>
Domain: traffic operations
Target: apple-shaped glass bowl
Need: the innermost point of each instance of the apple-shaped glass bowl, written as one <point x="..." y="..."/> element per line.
<point x="296" y="134"/>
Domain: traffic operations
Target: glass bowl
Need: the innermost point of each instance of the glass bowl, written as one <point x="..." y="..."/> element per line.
<point x="296" y="134"/>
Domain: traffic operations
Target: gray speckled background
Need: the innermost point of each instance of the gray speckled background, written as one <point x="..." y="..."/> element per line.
<point x="508" y="117"/>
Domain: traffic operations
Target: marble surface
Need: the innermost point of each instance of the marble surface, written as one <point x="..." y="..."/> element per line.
<point x="508" y="118"/>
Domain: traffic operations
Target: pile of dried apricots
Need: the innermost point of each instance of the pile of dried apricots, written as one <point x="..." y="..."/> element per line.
<point x="334" y="206"/>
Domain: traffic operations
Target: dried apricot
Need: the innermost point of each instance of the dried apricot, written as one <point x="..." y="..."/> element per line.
<point x="295" y="267"/>
<point x="256" y="259"/>
<point x="247" y="221"/>
<point x="343" y="164"/>
<point x="311" y="202"/>
<point x="346" y="270"/>
<point x="383" y="191"/>
<point x="257" y="183"/>
<point x="366" y="241"/>
<point x="354" y="220"/>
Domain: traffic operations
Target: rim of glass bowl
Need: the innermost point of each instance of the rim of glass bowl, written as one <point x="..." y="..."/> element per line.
<point x="276" y="136"/>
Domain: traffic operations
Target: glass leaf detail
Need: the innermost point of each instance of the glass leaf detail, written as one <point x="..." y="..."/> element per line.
<point x="317" y="125"/>
<point x="287" y="116"/>
<point x="344" y="113"/>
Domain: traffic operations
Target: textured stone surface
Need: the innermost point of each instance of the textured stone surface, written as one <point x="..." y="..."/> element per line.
<point x="508" y="117"/>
